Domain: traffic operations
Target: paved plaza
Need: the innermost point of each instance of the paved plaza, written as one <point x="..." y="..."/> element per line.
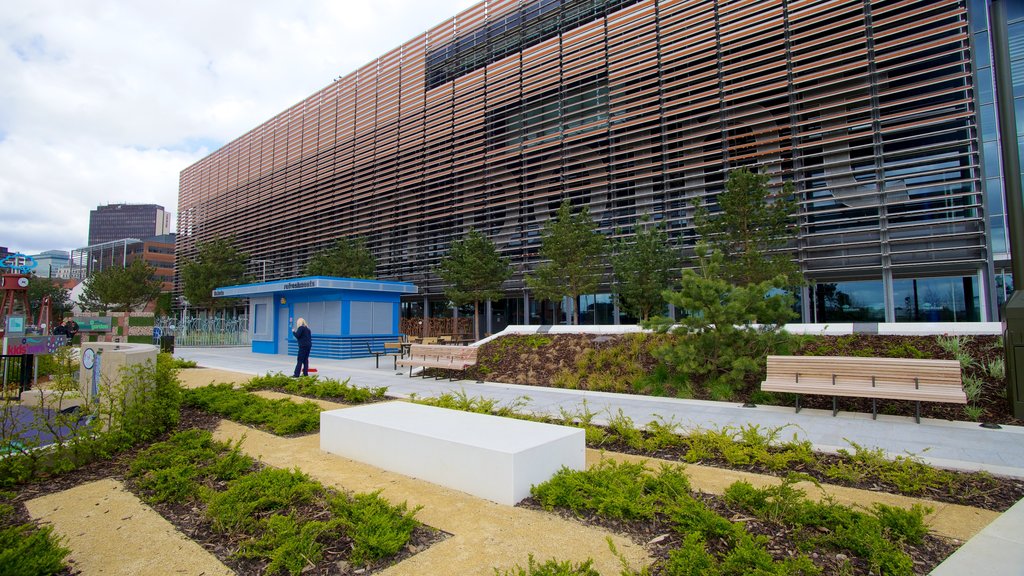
<point x="997" y="550"/>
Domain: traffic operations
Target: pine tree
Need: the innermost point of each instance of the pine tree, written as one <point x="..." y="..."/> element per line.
<point x="473" y="272"/>
<point x="643" y="268"/>
<point x="347" y="258"/>
<point x="752" y="226"/>
<point x="574" y="252"/>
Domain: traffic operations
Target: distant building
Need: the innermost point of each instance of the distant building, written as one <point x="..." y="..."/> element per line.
<point x="49" y="263"/>
<point x="115" y="222"/>
<point x="157" y="251"/>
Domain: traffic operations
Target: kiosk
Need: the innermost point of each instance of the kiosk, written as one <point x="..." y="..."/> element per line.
<point x="345" y="314"/>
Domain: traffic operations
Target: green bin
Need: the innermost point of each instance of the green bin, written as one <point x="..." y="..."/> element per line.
<point x="1013" y="340"/>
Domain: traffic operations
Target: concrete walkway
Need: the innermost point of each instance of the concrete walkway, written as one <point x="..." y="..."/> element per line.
<point x="998" y="549"/>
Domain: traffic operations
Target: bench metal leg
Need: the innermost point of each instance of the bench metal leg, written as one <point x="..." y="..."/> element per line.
<point x="797" y="403"/>
<point x="376" y="360"/>
<point x="835" y="406"/>
<point x="917" y="411"/>
<point x="874" y="410"/>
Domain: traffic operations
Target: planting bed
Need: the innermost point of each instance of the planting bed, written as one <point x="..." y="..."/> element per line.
<point x="565" y="360"/>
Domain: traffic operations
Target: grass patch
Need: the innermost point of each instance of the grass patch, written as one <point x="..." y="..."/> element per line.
<point x="314" y="387"/>
<point x="278" y="416"/>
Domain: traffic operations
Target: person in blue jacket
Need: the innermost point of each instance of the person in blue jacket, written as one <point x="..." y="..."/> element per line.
<point x="305" y="338"/>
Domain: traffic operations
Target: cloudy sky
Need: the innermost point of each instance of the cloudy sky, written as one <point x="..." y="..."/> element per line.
<point x="105" y="101"/>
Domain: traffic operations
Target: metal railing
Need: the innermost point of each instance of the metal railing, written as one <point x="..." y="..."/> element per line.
<point x="205" y="331"/>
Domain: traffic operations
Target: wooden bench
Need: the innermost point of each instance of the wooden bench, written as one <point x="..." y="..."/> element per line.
<point x="438" y="356"/>
<point x="886" y="378"/>
<point x="390" y="349"/>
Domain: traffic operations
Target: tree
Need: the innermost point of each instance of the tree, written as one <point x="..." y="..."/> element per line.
<point x="347" y="258"/>
<point x="60" y="300"/>
<point x="217" y="264"/>
<point x="720" y="343"/>
<point x="120" y="289"/>
<point x="473" y="271"/>
<point x="643" y="270"/>
<point x="752" y="225"/>
<point x="575" y="252"/>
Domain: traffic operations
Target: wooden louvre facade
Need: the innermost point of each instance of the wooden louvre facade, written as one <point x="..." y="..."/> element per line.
<point x="490" y="119"/>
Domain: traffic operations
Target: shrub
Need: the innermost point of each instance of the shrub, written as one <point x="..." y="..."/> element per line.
<point x="142" y="403"/>
<point x="551" y="567"/>
<point x="26" y="550"/>
<point x="377" y="528"/>
<point x="279" y="416"/>
<point x="269" y="490"/>
<point x="315" y="387"/>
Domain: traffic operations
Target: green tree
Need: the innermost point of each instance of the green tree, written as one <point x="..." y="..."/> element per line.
<point x="120" y="289"/>
<point x="720" y="343"/>
<point x="643" y="270"/>
<point x="60" y="300"/>
<point x="347" y="258"/>
<point x="473" y="271"/>
<point x="574" y="252"/>
<point x="217" y="264"/>
<point x="751" y="227"/>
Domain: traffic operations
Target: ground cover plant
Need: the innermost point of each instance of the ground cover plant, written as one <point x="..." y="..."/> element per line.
<point x="26" y="549"/>
<point x="316" y="387"/>
<point x="765" y="450"/>
<point x="635" y="364"/>
<point x="278" y="521"/>
<point x="281" y="417"/>
<point x="774" y="530"/>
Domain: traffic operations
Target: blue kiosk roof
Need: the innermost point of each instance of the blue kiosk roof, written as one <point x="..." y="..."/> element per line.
<point x="312" y="284"/>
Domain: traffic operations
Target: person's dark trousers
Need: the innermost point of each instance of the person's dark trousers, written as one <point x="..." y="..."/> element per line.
<point x="302" y="362"/>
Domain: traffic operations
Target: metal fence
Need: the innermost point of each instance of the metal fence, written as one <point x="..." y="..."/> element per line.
<point x="206" y="330"/>
<point x="16" y="373"/>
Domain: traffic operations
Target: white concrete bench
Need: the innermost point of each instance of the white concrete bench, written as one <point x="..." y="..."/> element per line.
<point x="495" y="458"/>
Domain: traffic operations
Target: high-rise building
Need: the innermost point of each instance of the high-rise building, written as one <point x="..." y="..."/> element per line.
<point x="48" y="263"/>
<point x="120" y="221"/>
<point x="881" y="113"/>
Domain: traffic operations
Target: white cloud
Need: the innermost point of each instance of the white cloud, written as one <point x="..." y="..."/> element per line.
<point x="107" y="101"/>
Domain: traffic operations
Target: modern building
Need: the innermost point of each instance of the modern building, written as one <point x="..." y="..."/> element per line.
<point x="881" y="113"/>
<point x="118" y="221"/>
<point x="157" y="251"/>
<point x="50" y="262"/>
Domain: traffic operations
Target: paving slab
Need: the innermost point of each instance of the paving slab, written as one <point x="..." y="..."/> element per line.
<point x="111" y="532"/>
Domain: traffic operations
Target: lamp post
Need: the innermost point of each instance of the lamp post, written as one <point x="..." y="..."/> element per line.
<point x="1013" y="310"/>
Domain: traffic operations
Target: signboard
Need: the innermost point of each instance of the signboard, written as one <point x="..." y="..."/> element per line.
<point x="34" y="344"/>
<point x="15" y="325"/>
<point x="94" y="324"/>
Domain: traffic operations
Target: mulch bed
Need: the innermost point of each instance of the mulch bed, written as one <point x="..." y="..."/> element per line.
<point x="985" y="491"/>
<point x="191" y="521"/>
<point x="659" y="538"/>
<point x="521" y="364"/>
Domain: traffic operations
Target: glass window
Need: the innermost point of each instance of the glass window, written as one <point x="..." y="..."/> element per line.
<point x="982" y="51"/>
<point x="994" y="194"/>
<point x="984" y="85"/>
<point x="992" y="159"/>
<point x="979" y="15"/>
<point x="950" y="299"/>
<point x="989" y="128"/>
<point x="850" y="302"/>
<point x="997" y="226"/>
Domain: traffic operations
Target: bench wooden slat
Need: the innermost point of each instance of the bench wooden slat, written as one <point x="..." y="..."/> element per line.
<point x="439" y="356"/>
<point x="853" y="376"/>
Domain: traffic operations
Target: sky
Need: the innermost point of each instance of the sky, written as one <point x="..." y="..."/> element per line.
<point x="105" y="101"/>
